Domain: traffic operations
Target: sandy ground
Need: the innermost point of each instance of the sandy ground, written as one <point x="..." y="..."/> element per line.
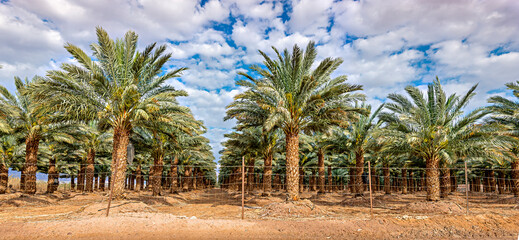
<point x="215" y="214"/>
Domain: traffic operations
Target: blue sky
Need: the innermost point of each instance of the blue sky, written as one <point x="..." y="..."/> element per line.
<point x="385" y="44"/>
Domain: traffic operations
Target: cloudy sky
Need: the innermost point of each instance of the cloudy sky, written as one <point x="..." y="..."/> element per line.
<point x="386" y="44"/>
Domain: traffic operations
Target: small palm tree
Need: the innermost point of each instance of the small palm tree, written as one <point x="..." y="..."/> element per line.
<point x="119" y="86"/>
<point x="358" y="137"/>
<point x="296" y="98"/>
<point x="7" y="149"/>
<point x="434" y="128"/>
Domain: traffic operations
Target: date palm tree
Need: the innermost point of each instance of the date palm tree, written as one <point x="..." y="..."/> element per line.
<point x="433" y="127"/>
<point x="297" y="98"/>
<point x="504" y="112"/>
<point x="119" y="86"/>
<point x="29" y="124"/>
<point x="358" y="137"/>
<point x="7" y="150"/>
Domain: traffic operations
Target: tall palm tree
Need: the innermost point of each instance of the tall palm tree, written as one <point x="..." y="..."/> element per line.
<point x="297" y="98"/>
<point x="434" y="128"/>
<point x="504" y="112"/>
<point x="121" y="87"/>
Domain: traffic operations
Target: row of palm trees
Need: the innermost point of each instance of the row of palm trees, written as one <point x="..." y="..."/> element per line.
<point x="322" y="119"/>
<point x="92" y="109"/>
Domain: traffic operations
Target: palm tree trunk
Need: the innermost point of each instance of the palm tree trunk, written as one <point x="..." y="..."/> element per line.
<point x="51" y="175"/>
<point x="301" y="179"/>
<point x="412" y="182"/>
<point x="359" y="170"/>
<point x="81" y="178"/>
<point x="330" y="184"/>
<point x="320" y="163"/>
<point x="31" y="159"/>
<point x="4" y="178"/>
<point x="22" y="179"/>
<point x="445" y="182"/>
<point x="515" y="177"/>
<point x="121" y="140"/>
<point x="186" y="179"/>
<point x="351" y="181"/>
<point x="138" y="173"/>
<point x="492" y="181"/>
<point x="313" y="184"/>
<point x="277" y="181"/>
<point x="132" y="180"/>
<point x="72" y="183"/>
<point x="433" y="178"/>
<point x="404" y="181"/>
<point x="250" y="175"/>
<point x="193" y="182"/>
<point x="89" y="171"/>
<point x="374" y="179"/>
<point x="102" y="182"/>
<point x="387" y="180"/>
<point x="158" y="161"/>
<point x="174" y="175"/>
<point x="292" y="157"/>
<point x="267" y="174"/>
<point x="454" y="181"/>
<point x="501" y="182"/>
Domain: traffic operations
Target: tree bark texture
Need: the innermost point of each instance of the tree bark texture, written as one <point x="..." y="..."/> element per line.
<point x="292" y="157"/>
<point x="267" y="174"/>
<point x="387" y="179"/>
<point x="515" y="177"/>
<point x="158" y="162"/>
<point x="4" y="178"/>
<point x="445" y="182"/>
<point x="52" y="176"/>
<point x="119" y="160"/>
<point x="433" y="178"/>
<point x="173" y="174"/>
<point x="89" y="171"/>
<point x="320" y="164"/>
<point x="359" y="170"/>
<point x="31" y="160"/>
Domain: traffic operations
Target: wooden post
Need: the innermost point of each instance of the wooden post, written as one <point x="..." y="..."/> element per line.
<point x="370" y="194"/>
<point x="111" y="189"/>
<point x="466" y="187"/>
<point x="242" y="187"/>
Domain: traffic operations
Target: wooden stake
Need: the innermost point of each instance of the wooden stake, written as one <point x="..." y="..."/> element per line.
<point x="242" y="187"/>
<point x="467" y="187"/>
<point x="370" y="194"/>
<point x="111" y="188"/>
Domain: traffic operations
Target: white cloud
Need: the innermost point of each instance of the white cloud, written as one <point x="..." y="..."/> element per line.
<point x="310" y="17"/>
<point x="381" y="41"/>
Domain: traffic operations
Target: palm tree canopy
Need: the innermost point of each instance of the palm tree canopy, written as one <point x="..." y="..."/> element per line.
<point x="120" y="86"/>
<point x="434" y="125"/>
<point x="291" y="95"/>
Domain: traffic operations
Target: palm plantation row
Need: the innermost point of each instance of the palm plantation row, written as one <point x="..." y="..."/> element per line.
<point x="87" y="116"/>
<point x="324" y="122"/>
<point x="296" y="119"/>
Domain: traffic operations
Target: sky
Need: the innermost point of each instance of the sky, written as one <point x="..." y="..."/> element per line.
<point x="386" y="44"/>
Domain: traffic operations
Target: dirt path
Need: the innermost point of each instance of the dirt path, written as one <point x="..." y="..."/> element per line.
<point x="212" y="214"/>
<point x="168" y="226"/>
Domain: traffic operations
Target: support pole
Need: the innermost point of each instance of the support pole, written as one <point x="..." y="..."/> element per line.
<point x="111" y="188"/>
<point x="370" y="192"/>
<point x="242" y="187"/>
<point x="466" y="187"/>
